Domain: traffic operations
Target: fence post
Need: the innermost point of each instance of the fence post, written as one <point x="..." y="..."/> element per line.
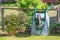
<point x="2" y="15"/>
<point x="58" y="14"/>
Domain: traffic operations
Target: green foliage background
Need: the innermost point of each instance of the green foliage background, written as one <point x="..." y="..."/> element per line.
<point x="30" y="4"/>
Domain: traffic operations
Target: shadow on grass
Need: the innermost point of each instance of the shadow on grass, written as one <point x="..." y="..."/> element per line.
<point x="54" y="35"/>
<point x="17" y="35"/>
<point x="2" y="35"/>
<point x="22" y="35"/>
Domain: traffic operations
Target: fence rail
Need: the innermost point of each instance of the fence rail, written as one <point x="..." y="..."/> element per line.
<point x="16" y="8"/>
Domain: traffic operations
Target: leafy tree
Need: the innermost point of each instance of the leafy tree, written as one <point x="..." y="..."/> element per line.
<point x="30" y="4"/>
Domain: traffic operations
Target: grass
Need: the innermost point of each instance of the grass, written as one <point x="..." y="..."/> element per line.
<point x="23" y="36"/>
<point x="31" y="38"/>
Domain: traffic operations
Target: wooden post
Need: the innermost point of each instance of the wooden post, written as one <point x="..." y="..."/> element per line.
<point x="0" y="2"/>
<point x="58" y="14"/>
<point x="2" y="14"/>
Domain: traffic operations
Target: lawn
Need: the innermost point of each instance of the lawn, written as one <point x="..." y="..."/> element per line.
<point x="31" y="38"/>
<point x="24" y="36"/>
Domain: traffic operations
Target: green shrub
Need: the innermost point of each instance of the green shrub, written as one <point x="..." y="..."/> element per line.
<point x="30" y="4"/>
<point x="14" y="22"/>
<point x="23" y="17"/>
<point x="11" y="5"/>
<point x="54" y="26"/>
<point x="11" y="23"/>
